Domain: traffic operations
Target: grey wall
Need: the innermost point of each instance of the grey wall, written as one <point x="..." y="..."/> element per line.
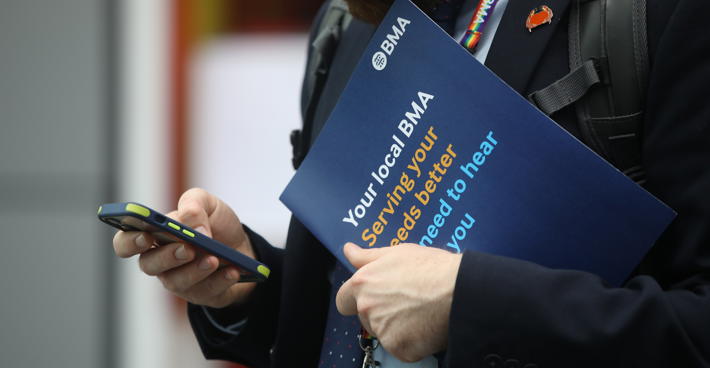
<point x="54" y="143"/>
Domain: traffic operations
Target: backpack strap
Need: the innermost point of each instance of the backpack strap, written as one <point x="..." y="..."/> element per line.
<point x="569" y="89"/>
<point x="608" y="56"/>
<point x="326" y="36"/>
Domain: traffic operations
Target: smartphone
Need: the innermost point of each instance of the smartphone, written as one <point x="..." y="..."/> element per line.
<point x="131" y="216"/>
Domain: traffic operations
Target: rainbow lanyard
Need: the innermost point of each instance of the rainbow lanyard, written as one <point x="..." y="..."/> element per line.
<point x="478" y="21"/>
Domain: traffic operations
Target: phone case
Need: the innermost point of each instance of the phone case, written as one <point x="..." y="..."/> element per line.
<point x="131" y="216"/>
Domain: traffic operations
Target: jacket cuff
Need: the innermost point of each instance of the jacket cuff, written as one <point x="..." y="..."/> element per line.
<point x="485" y="306"/>
<point x="251" y="343"/>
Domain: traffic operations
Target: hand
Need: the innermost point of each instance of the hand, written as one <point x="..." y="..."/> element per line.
<point x="402" y="295"/>
<point x="186" y="271"/>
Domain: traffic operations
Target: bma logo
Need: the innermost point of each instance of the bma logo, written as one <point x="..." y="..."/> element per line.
<point x="379" y="59"/>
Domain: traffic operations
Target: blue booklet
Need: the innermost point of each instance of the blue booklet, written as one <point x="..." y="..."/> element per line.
<point x="427" y="146"/>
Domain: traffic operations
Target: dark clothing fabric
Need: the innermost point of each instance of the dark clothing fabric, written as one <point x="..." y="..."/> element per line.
<point x="508" y="311"/>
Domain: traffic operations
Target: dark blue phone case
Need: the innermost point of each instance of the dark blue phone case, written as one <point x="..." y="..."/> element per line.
<point x="131" y="216"/>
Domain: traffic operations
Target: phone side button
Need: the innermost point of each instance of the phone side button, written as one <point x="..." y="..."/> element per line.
<point x="138" y="209"/>
<point x="188" y="233"/>
<point x="173" y="226"/>
<point x="263" y="270"/>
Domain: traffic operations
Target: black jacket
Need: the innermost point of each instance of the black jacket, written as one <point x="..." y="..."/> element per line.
<point x="515" y="312"/>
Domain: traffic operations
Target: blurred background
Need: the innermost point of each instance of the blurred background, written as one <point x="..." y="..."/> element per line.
<point x="138" y="100"/>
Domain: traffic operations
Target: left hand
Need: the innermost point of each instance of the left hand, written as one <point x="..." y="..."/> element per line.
<point x="402" y="295"/>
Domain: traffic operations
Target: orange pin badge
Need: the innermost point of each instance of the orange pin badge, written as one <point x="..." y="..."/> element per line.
<point x="538" y="17"/>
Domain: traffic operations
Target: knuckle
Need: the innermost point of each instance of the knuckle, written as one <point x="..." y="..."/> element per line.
<point x="145" y="265"/>
<point x="211" y="288"/>
<point x="172" y="283"/>
<point x="364" y="307"/>
<point x="167" y="283"/>
<point x="182" y="280"/>
<point x="359" y="279"/>
<point x="189" y="212"/>
<point x="189" y="203"/>
<point x="151" y="263"/>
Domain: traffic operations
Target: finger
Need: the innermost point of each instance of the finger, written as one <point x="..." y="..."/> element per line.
<point x="180" y="279"/>
<point x="345" y="300"/>
<point x="194" y="207"/>
<point x="166" y="257"/>
<point x="360" y="257"/>
<point x="216" y="289"/>
<point x="129" y="243"/>
<point x="365" y="322"/>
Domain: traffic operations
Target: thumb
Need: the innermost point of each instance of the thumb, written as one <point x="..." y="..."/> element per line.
<point x="195" y="207"/>
<point x="359" y="257"/>
<point x="204" y="230"/>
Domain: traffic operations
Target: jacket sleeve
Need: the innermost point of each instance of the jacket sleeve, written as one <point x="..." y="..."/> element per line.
<point x="253" y="341"/>
<point x="508" y="312"/>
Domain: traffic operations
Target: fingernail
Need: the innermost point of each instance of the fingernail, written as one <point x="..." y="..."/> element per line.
<point x="141" y="242"/>
<point x="201" y="230"/>
<point x="205" y="264"/>
<point x="181" y="253"/>
<point x="231" y="275"/>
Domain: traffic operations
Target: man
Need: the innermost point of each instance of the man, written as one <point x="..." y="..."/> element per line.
<point x="479" y="309"/>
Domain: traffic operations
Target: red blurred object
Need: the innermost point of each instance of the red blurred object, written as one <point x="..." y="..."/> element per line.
<point x="235" y="365"/>
<point x="180" y="50"/>
<point x="271" y="15"/>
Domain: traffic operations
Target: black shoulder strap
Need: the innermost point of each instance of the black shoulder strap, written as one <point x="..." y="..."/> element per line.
<point x="611" y="114"/>
<point x="326" y="36"/>
<point x="608" y="57"/>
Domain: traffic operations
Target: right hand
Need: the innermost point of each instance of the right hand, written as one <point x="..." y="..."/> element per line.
<point x="186" y="271"/>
